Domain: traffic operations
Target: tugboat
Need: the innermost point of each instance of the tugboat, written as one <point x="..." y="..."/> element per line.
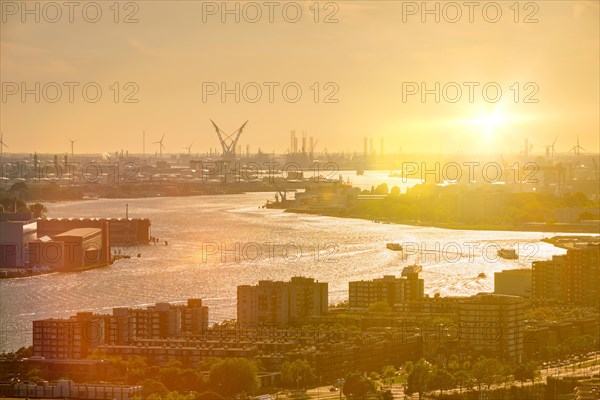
<point x="394" y="246"/>
<point x="509" y="254"/>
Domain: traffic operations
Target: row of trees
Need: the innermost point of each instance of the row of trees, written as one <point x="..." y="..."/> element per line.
<point x="225" y="377"/>
<point x="423" y="377"/>
<point x="456" y="204"/>
<point x="12" y="204"/>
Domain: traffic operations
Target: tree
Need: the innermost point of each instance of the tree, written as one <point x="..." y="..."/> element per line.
<point x="441" y="380"/>
<point x="296" y="373"/>
<point x="206" y="363"/>
<point x="527" y="372"/>
<point x="380" y="307"/>
<point x="395" y="191"/>
<point x="169" y="376"/>
<point x="24" y="352"/>
<point x="463" y="380"/>
<point x="34" y="374"/>
<point x="234" y="375"/>
<point x="209" y="396"/>
<point x="357" y="386"/>
<point x="419" y="378"/>
<point x="382" y="188"/>
<point x="388" y="372"/>
<point x="387" y="395"/>
<point x="38" y="210"/>
<point x="151" y="386"/>
<point x="12" y="204"/>
<point x="485" y="371"/>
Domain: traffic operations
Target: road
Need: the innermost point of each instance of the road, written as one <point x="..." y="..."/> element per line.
<point x="572" y="369"/>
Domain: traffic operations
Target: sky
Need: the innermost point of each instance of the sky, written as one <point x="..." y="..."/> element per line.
<point x="361" y="68"/>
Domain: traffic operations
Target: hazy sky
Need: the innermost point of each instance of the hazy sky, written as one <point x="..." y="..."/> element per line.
<point x="367" y="56"/>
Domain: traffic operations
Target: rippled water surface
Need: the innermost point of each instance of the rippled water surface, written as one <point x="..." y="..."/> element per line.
<point x="329" y="249"/>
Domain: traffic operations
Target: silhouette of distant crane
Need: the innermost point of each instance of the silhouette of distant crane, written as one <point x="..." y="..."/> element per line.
<point x="228" y="142"/>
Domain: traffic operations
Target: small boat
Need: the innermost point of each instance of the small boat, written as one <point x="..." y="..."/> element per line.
<point x="394" y="246"/>
<point x="482" y="275"/>
<point x="509" y="254"/>
<point x="360" y="172"/>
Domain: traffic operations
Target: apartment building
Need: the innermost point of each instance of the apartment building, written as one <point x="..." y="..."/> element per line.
<point x="513" y="282"/>
<point x="573" y="278"/>
<point x="278" y="303"/>
<point x="76" y="337"/>
<point x="493" y="324"/>
<point x="389" y="289"/>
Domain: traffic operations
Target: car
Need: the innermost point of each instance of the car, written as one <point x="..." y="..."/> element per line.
<point x="333" y="389"/>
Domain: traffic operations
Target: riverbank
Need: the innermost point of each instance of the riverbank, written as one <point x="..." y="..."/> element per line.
<point x="28" y="272"/>
<point x="527" y="227"/>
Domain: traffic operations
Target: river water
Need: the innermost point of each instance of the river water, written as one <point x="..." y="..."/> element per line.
<point x="201" y="259"/>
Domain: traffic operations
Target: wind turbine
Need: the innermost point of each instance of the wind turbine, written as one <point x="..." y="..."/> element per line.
<point x="189" y="148"/>
<point x="72" y="142"/>
<point x="550" y="149"/>
<point x="576" y="149"/>
<point x="160" y="143"/>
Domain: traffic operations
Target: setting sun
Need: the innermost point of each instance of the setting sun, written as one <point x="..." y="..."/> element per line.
<point x="490" y="123"/>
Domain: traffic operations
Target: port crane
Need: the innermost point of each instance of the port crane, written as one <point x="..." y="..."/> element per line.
<point x="228" y="142"/>
<point x="282" y="195"/>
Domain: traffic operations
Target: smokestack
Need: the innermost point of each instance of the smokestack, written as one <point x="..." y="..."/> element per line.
<point x="365" y="147"/>
<point x="312" y="146"/>
<point x="303" y="142"/>
<point x="381" y="147"/>
<point x="371" y="146"/>
<point x="293" y="142"/>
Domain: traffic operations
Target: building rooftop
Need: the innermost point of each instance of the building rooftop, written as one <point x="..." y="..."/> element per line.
<point x="492" y="298"/>
<point x="78" y="232"/>
<point x="519" y="271"/>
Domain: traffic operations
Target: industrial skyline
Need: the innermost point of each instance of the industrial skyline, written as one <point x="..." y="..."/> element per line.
<point x="366" y="63"/>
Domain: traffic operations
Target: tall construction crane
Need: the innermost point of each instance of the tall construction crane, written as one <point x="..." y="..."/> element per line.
<point x="228" y="142"/>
